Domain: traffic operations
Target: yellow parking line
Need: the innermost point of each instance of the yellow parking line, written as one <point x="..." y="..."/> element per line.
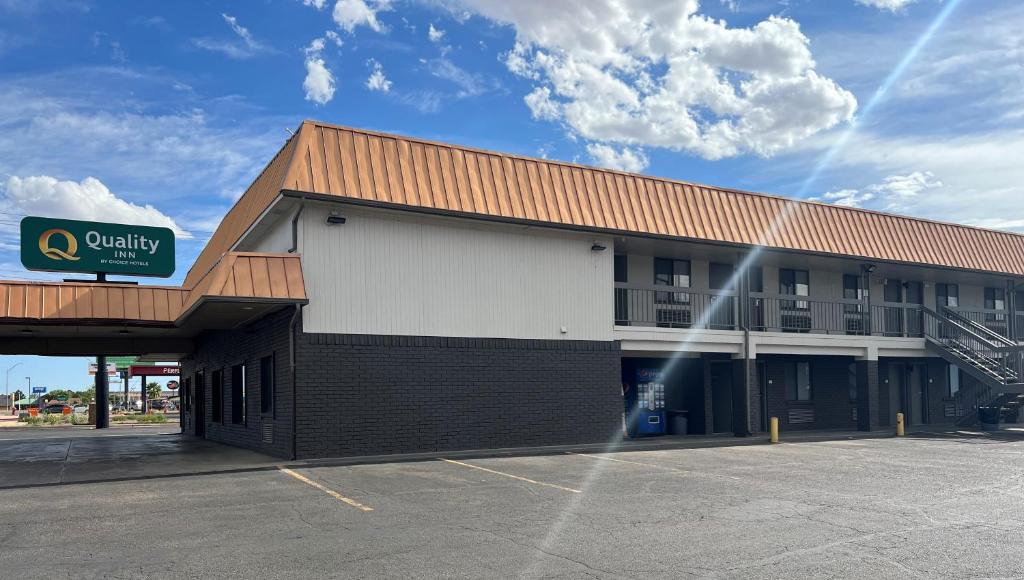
<point x="655" y="466"/>
<point x="326" y="490"/>
<point x="569" y="489"/>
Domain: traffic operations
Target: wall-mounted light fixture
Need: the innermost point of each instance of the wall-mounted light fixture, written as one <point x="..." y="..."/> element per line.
<point x="869" y="268"/>
<point x="335" y="220"/>
<point x="597" y="247"/>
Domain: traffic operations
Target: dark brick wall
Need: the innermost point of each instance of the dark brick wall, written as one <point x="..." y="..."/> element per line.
<point x="830" y="399"/>
<point x="220" y="350"/>
<point x="367" y="395"/>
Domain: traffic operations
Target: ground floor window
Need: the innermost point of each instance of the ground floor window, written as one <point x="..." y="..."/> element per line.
<point x="238" y="394"/>
<point x="954" y="380"/>
<point x="798" y="381"/>
<point x="267" y="385"/>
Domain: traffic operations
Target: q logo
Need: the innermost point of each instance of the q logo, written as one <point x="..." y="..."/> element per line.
<point x="56" y="253"/>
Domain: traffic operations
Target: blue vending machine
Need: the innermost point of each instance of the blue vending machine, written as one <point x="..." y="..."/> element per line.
<point x="645" y="403"/>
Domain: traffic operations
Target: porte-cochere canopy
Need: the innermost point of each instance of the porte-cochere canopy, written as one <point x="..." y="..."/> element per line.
<point x="82" y="318"/>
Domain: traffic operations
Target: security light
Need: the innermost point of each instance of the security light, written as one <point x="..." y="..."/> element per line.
<point x="869" y="268"/>
<point x="597" y="248"/>
<point x="333" y="220"/>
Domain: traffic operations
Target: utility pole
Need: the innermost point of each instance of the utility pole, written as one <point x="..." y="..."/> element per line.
<point x="7" y="386"/>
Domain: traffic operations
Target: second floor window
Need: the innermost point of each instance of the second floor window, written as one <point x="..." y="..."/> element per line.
<point x="995" y="299"/>
<point x="947" y="295"/>
<point x="669" y="272"/>
<point x="794" y="283"/>
<point x="893" y="290"/>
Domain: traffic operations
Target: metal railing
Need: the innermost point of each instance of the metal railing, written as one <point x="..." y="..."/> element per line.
<point x="997" y="358"/>
<point x="997" y="321"/>
<point x="674" y="307"/>
<point x="896" y="320"/>
<point x="800" y="314"/>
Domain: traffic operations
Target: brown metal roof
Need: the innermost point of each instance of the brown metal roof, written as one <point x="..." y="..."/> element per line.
<point x="400" y="171"/>
<point x="238" y="276"/>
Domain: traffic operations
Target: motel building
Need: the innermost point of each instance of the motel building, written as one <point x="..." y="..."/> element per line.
<point x="374" y="294"/>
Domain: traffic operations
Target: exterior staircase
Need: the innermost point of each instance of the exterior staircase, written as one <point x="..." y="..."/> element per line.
<point x="994" y="360"/>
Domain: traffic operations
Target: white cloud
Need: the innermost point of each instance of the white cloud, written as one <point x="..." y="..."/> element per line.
<point x="377" y="80"/>
<point x="732" y="5"/>
<point x="350" y="14"/>
<point x="318" y="4"/>
<point x="333" y="37"/>
<point x="435" y="34"/>
<point x="890" y="5"/>
<point x="248" y="46"/>
<point x="894" y="193"/>
<point x="980" y="174"/>
<point x="87" y="200"/>
<point x="645" y="73"/>
<point x="470" y="84"/>
<point x="319" y="82"/>
<point x="625" y="159"/>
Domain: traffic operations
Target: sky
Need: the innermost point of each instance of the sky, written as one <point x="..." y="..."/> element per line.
<point x="161" y="113"/>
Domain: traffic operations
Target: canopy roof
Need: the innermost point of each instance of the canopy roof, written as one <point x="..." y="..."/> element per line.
<point x="74" y="317"/>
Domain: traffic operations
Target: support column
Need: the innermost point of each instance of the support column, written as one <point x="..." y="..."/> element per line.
<point x="743" y="373"/>
<point x="102" y="393"/>
<point x="868" y="411"/>
<point x="145" y="397"/>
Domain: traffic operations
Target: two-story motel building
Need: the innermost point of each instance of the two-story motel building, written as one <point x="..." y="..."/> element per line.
<point x="373" y="294"/>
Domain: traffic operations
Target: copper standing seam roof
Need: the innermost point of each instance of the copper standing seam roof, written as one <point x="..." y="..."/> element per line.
<point x="237" y="276"/>
<point x="405" y="172"/>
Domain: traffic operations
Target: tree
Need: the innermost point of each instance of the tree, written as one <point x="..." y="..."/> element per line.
<point x="18" y="395"/>
<point x="87" y="396"/>
<point x="153" y="390"/>
<point x="56" y="394"/>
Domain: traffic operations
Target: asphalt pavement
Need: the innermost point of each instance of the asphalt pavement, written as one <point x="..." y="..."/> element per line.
<point x="923" y="506"/>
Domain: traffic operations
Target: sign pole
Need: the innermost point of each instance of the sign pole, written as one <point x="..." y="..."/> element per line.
<point x="102" y="383"/>
<point x="102" y="393"/>
<point x="145" y="396"/>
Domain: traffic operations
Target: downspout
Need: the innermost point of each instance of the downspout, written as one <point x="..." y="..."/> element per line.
<point x="295" y="387"/>
<point x="295" y="226"/>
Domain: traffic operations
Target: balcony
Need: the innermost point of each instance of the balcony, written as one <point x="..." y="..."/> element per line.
<point x="674" y="307"/>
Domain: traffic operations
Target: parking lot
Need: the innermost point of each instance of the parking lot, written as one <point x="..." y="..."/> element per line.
<point x="920" y="506"/>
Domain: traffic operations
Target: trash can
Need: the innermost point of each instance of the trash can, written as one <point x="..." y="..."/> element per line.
<point x="989" y="418"/>
<point x="677" y="421"/>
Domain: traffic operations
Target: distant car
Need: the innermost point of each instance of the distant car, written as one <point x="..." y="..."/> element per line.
<point x="157" y="405"/>
<point x="80" y="409"/>
<point x="56" y="409"/>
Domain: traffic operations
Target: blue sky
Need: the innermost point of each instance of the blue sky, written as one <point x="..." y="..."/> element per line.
<point x="163" y="112"/>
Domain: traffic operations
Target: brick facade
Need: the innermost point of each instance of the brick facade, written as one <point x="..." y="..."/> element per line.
<point x="367" y="395"/>
<point x="221" y="350"/>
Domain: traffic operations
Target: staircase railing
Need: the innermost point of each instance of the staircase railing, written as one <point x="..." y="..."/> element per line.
<point x="992" y="359"/>
<point x="978" y="327"/>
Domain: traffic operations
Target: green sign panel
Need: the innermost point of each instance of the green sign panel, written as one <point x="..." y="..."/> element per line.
<point x="55" y="245"/>
<point x="122" y="362"/>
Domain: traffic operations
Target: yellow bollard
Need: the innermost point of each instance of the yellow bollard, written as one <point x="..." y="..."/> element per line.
<point x="775" y="429"/>
<point x="899" y="425"/>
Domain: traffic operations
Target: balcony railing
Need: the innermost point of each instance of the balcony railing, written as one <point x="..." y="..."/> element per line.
<point x="800" y="314"/>
<point x="674" y="307"/>
<point x="897" y="320"/>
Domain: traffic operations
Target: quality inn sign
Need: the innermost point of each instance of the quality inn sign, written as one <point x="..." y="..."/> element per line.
<point x="56" y="245"/>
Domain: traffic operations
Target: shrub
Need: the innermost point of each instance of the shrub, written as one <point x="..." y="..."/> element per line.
<point x="154" y="418"/>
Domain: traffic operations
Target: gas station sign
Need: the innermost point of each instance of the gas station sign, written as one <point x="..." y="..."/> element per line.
<point x="111" y="369"/>
<point x="153" y="370"/>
